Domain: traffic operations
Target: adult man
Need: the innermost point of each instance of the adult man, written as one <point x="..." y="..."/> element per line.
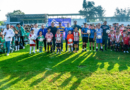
<point x="44" y="31"/>
<point x="53" y="30"/>
<point x="67" y="29"/>
<point x="21" y="32"/>
<point x="78" y="27"/>
<point x="105" y="27"/>
<point x="36" y="29"/>
<point x="8" y="33"/>
<point x="84" y="36"/>
<point x="61" y="28"/>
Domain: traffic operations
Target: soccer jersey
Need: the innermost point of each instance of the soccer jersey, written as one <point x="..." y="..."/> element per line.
<point x="92" y="32"/>
<point x="126" y="40"/>
<point x="32" y="38"/>
<point x="61" y="29"/>
<point x="70" y="36"/>
<point x="49" y="36"/>
<point x="3" y="42"/>
<point x="58" y="38"/>
<point x="76" y="36"/>
<point x="117" y="38"/>
<point x="40" y="38"/>
<point x="98" y="33"/>
<point x="112" y="36"/>
<point x="84" y="30"/>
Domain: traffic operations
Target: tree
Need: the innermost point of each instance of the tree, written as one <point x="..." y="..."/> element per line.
<point x="1" y="23"/>
<point x="122" y="14"/>
<point x="90" y="11"/>
<point x="16" y="12"/>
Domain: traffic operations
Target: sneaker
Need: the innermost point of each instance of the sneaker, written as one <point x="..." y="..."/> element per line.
<point x="124" y="51"/>
<point x="7" y="54"/>
<point x="127" y="51"/>
<point x="23" y="47"/>
<point x="82" y="50"/>
<point x="37" y="50"/>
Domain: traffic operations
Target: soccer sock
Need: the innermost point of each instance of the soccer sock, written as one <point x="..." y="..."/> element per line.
<point x="39" y="49"/>
<point x="34" y="49"/>
<point x="96" y="48"/>
<point x="71" y="48"/>
<point x="30" y="49"/>
<point x="16" y="47"/>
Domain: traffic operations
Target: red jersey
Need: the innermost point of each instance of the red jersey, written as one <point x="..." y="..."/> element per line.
<point x="111" y="37"/>
<point x="126" y="40"/>
<point x="76" y="36"/>
<point x="58" y="38"/>
<point x="117" y="38"/>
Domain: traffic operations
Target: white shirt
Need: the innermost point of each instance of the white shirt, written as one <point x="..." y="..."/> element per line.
<point x="8" y="33"/>
<point x="36" y="31"/>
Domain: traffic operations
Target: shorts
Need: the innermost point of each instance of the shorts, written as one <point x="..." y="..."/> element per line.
<point x="49" y="43"/>
<point x="58" y="44"/>
<point x="91" y="40"/>
<point x="117" y="44"/>
<point x="98" y="40"/>
<point x="71" y="44"/>
<point x="16" y="43"/>
<point x="40" y="44"/>
<point x="112" y="42"/>
<point x="76" y="42"/>
<point x="85" y="39"/>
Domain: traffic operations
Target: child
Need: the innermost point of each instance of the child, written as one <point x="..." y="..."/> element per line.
<point x="2" y="40"/>
<point x="99" y="33"/>
<point x="40" y="38"/>
<point x="92" y="36"/>
<point x="117" y="40"/>
<point x="126" y="42"/>
<point x="58" y="41"/>
<point x="49" y="37"/>
<point x="112" y="40"/>
<point x="32" y="38"/>
<point x="122" y="36"/>
<point x="17" y="40"/>
<point x="70" y="38"/>
<point x="76" y="39"/>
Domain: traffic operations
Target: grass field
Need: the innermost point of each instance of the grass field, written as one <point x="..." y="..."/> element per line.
<point x="68" y="71"/>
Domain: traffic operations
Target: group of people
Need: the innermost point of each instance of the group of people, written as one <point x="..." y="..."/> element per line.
<point x="114" y="37"/>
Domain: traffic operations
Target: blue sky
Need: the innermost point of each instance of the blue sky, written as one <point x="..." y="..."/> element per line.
<point x="56" y="6"/>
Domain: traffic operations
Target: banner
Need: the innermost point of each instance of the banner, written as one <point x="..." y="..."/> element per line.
<point x="64" y="21"/>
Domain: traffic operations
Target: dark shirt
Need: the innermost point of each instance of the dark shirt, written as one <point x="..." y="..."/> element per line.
<point x="105" y="28"/>
<point x="53" y="30"/>
<point x="44" y="31"/>
<point x="79" y="27"/>
<point x="20" y="33"/>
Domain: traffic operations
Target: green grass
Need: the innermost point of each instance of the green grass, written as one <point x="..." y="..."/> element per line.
<point x="68" y="71"/>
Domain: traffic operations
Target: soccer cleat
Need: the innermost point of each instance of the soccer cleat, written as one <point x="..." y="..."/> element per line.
<point x="7" y="54"/>
<point x="124" y="51"/>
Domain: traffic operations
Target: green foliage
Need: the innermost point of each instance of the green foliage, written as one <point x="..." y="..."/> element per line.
<point x="1" y="23"/>
<point x="16" y="12"/>
<point x="90" y="11"/>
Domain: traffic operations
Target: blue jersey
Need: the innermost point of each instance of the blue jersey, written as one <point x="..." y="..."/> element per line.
<point x="84" y="30"/>
<point x="92" y="31"/>
<point x="67" y="29"/>
<point x="99" y="32"/>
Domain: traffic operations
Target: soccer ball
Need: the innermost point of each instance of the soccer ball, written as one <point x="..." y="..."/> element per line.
<point x="108" y="31"/>
<point x="58" y="39"/>
<point x="32" y="38"/>
<point x="99" y="37"/>
<point x="88" y="31"/>
<point x="70" y="40"/>
<point x="49" y="40"/>
<point x="41" y="39"/>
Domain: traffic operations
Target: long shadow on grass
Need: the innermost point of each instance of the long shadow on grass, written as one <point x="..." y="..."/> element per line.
<point x="79" y="65"/>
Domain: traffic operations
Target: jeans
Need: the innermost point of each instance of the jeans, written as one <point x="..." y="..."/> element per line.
<point x="22" y="38"/>
<point x="7" y="43"/>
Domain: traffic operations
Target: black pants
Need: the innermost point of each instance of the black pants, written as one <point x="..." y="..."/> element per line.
<point x="105" y="40"/>
<point x="45" y="44"/>
<point x="53" y="44"/>
<point x="125" y="47"/>
<point x="22" y="40"/>
<point x="66" y="44"/>
<point x="37" y="43"/>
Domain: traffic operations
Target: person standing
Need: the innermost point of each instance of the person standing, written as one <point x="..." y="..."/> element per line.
<point x="36" y="29"/>
<point x="44" y="31"/>
<point x="61" y="28"/>
<point x="67" y="29"/>
<point x="21" y="32"/>
<point x="8" y="33"/>
<point x="53" y="31"/>
<point x="105" y="27"/>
